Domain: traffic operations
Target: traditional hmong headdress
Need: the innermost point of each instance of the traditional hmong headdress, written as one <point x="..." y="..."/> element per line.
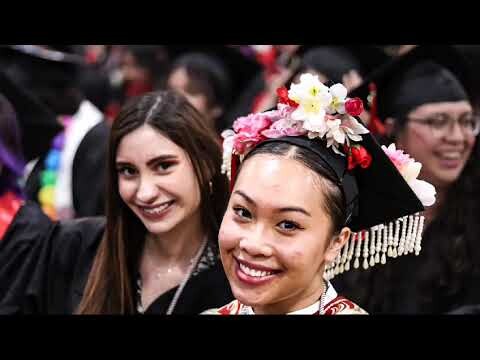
<point x="382" y="193"/>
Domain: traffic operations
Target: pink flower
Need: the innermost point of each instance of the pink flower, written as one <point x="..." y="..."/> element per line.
<point x="284" y="127"/>
<point x="249" y="131"/>
<point x="252" y="124"/>
<point x="398" y="157"/>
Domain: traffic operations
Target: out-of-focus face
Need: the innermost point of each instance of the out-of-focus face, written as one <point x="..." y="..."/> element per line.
<point x="441" y="146"/>
<point x="132" y="71"/>
<point x="156" y="180"/>
<point x="179" y="81"/>
<point x="275" y="238"/>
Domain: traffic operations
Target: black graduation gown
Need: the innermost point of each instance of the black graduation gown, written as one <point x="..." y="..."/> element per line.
<point x="398" y="288"/>
<point x="44" y="267"/>
<point x="88" y="173"/>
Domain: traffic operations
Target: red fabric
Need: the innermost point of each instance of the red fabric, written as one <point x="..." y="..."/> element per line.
<point x="137" y="88"/>
<point x="337" y="305"/>
<point x="375" y="126"/>
<point x="9" y="205"/>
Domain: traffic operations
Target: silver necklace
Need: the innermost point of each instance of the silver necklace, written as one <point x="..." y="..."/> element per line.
<point x="180" y="288"/>
<point x="185" y="280"/>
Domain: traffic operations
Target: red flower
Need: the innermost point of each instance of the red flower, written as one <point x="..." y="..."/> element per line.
<point x="354" y="106"/>
<point x="364" y="158"/>
<point x="358" y="155"/>
<point x="282" y="93"/>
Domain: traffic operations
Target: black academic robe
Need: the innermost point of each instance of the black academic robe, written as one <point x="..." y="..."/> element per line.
<point x="398" y="286"/>
<point x="89" y="171"/>
<point x="44" y="267"/>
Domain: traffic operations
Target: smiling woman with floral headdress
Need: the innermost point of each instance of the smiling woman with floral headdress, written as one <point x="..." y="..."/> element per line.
<point x="314" y="196"/>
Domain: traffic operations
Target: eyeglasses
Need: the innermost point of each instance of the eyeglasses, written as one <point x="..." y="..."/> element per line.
<point x="440" y="124"/>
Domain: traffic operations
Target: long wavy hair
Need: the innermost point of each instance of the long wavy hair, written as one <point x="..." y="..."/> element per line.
<point x="109" y="289"/>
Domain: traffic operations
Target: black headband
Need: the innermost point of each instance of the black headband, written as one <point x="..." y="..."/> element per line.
<point x="335" y="164"/>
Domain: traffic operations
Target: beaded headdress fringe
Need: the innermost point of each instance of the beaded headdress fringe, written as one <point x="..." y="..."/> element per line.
<point x="400" y="237"/>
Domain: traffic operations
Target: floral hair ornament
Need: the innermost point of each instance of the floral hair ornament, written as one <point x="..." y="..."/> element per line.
<point x="309" y="109"/>
<point x="382" y="194"/>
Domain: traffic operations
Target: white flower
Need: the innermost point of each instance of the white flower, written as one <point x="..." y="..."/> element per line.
<point x="411" y="170"/>
<point x="353" y="128"/>
<point x="341" y="131"/>
<point x="229" y="137"/>
<point x="339" y="96"/>
<point x="425" y="191"/>
<point x="335" y="131"/>
<point x="312" y="98"/>
<point x="313" y="123"/>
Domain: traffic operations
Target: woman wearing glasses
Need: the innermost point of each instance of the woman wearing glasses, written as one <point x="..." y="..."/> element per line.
<point x="424" y="101"/>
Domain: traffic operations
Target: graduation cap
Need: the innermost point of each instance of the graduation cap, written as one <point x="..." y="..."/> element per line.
<point x="37" y="123"/>
<point x="425" y="74"/>
<point x="47" y="73"/>
<point x="335" y="61"/>
<point x="382" y="208"/>
<point x="241" y="68"/>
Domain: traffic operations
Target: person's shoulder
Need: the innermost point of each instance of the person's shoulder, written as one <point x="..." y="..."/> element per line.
<point x="232" y="308"/>
<point x="342" y="306"/>
<point x="31" y="228"/>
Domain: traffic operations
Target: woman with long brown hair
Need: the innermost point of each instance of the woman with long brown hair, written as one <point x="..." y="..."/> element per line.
<point x="156" y="252"/>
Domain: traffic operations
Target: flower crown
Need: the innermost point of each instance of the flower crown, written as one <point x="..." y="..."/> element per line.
<point x="308" y="108"/>
<point x="312" y="109"/>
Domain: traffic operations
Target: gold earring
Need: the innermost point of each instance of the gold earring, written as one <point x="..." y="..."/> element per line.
<point x="210" y="184"/>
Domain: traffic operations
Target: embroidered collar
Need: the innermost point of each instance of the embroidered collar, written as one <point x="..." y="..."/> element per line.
<point x="309" y="310"/>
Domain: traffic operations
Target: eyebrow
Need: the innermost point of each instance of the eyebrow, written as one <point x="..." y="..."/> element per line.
<point x="281" y="210"/>
<point x="153" y="160"/>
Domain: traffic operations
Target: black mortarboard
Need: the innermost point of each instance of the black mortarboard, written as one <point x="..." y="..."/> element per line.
<point x="335" y="61"/>
<point x="37" y="123"/>
<point x="379" y="193"/>
<point x="241" y="68"/>
<point x="425" y="74"/>
<point x="47" y="73"/>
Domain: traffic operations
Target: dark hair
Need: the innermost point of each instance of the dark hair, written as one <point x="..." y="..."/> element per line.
<point x="334" y="203"/>
<point x="11" y="157"/>
<point x="207" y="75"/>
<point x="153" y="58"/>
<point x="110" y="283"/>
<point x="331" y="61"/>
<point x="452" y="239"/>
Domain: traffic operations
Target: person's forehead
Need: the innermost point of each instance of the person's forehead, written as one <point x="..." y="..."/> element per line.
<point x="279" y="179"/>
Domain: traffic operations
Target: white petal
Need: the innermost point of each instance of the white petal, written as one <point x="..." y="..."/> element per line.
<point x="228" y="133"/>
<point x="339" y="136"/>
<point x="355" y="125"/>
<point x="335" y="149"/>
<point x="411" y="170"/>
<point x="355" y="137"/>
<point x="425" y="191"/>
<point x="339" y="91"/>
<point x="298" y="114"/>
